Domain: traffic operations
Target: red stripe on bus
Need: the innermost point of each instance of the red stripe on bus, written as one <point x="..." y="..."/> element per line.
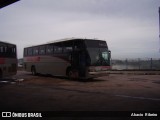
<point x="33" y="59"/>
<point x="37" y="58"/>
<point x="2" y="60"/>
<point x="108" y="67"/>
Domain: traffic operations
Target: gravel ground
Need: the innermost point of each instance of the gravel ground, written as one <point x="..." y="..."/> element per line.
<point x="116" y="92"/>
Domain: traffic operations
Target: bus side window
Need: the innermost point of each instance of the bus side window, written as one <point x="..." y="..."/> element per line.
<point x="49" y="49"/>
<point x="13" y="50"/>
<point x="25" y="51"/>
<point x="42" y="50"/>
<point x="5" y="49"/>
<point x="1" y="49"/>
<point x="30" y="51"/>
<point x="57" y="48"/>
<point x="9" y="53"/>
<point x="13" y="54"/>
<point x="78" y="45"/>
<point x="35" y="51"/>
<point x="68" y="46"/>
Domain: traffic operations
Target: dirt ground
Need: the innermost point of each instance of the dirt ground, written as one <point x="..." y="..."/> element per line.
<point x="120" y="92"/>
<point x="116" y="92"/>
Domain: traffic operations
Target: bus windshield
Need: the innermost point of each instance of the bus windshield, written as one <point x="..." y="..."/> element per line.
<point x="98" y="52"/>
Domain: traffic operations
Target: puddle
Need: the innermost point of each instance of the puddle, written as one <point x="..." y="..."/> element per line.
<point x="4" y="81"/>
<point x="10" y="81"/>
<point x="138" y="79"/>
<point x="156" y="81"/>
<point x="19" y="80"/>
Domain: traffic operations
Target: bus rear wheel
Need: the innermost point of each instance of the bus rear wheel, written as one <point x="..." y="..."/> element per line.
<point x="73" y="74"/>
<point x="33" y="70"/>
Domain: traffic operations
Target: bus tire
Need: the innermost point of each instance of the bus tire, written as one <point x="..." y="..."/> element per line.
<point x="33" y="70"/>
<point x="72" y="74"/>
<point x="68" y="71"/>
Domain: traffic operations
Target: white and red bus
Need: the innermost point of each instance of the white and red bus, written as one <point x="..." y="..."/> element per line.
<point x="74" y="57"/>
<point x="8" y="59"/>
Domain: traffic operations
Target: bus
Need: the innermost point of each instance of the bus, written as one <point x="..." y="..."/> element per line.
<point x="8" y="59"/>
<point x="74" y="58"/>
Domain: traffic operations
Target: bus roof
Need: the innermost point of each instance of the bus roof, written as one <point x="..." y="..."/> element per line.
<point x="4" y="42"/>
<point x="63" y="40"/>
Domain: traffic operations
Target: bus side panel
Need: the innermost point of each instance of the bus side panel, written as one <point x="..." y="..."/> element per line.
<point x="9" y="67"/>
<point x="47" y="65"/>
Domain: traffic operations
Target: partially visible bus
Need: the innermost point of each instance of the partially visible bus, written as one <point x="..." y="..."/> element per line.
<point x="8" y="59"/>
<point x="74" y="57"/>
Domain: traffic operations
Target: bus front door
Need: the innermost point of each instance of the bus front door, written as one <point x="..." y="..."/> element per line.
<point x="79" y="63"/>
<point x="82" y="64"/>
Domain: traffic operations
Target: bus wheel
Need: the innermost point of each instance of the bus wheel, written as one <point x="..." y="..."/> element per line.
<point x="73" y="74"/>
<point x="33" y="70"/>
<point x="70" y="74"/>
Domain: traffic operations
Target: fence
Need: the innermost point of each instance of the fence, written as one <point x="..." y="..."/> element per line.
<point x="136" y="64"/>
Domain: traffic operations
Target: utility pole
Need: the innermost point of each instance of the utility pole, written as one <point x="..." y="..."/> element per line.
<point x="151" y="65"/>
<point x="159" y="29"/>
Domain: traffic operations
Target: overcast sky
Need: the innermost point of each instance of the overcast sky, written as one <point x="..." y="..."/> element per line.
<point x="130" y="27"/>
